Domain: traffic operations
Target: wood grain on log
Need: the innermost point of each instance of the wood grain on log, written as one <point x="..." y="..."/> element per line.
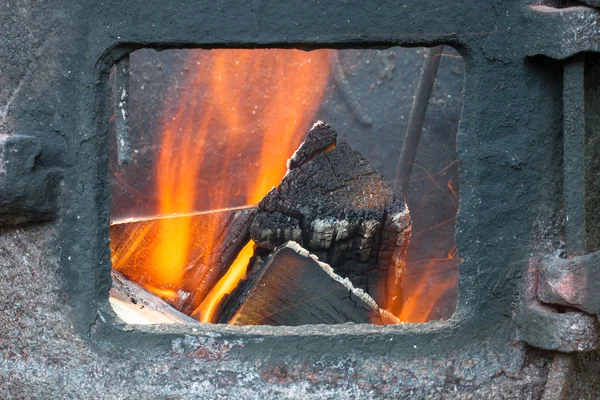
<point x="216" y="238"/>
<point x="332" y="202"/>
<point x="339" y="208"/>
<point x="291" y="287"/>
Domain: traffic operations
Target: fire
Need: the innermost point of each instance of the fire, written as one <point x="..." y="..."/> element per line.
<point x="229" y="127"/>
<point x="206" y="311"/>
<point x="427" y="288"/>
<point x="225" y="139"/>
<point x="431" y="275"/>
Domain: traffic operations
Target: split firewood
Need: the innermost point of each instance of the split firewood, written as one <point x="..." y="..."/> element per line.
<point x="291" y="287"/>
<point x="215" y="238"/>
<point x="135" y="305"/>
<point x="338" y="207"/>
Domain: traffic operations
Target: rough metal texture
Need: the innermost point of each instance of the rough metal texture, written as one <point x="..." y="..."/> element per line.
<point x="26" y="192"/>
<point x="593" y="3"/>
<point x="558" y="377"/>
<point x="574" y="149"/>
<point x="584" y="377"/>
<point x="59" y="339"/>
<point x="544" y="327"/>
<point x="571" y="282"/>
<point x="592" y="150"/>
<point x="41" y="356"/>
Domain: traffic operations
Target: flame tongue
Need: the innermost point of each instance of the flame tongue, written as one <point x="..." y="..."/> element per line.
<point x="206" y="312"/>
<point x="225" y="141"/>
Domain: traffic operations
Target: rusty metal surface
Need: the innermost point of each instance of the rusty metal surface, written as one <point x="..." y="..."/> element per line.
<point x="558" y="377"/>
<point x="555" y="280"/>
<point x="43" y="357"/>
<point x="55" y="61"/>
<point x="573" y="282"/>
<point x="546" y="328"/>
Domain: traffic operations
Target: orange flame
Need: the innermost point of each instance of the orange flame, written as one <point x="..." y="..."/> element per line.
<point x="229" y="127"/>
<point x="227" y="134"/>
<point x="206" y="311"/>
<point x="427" y="289"/>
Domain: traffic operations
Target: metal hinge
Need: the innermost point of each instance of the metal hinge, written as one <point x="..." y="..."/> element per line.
<point x="558" y="298"/>
<point x="561" y="302"/>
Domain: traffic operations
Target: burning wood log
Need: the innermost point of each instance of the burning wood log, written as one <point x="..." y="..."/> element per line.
<point x="135" y="305"/>
<point x="331" y="201"/>
<point x="190" y="269"/>
<point x="291" y="287"/>
<point x="339" y="208"/>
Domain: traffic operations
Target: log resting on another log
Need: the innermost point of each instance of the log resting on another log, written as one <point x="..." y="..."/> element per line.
<point x="135" y="305"/>
<point x="338" y="207"/>
<point x="291" y="287"/>
<point x="215" y="240"/>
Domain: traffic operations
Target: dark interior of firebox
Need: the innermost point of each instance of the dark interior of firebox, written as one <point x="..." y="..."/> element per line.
<point x="276" y="186"/>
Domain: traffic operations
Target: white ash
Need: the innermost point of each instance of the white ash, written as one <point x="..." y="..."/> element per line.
<point x="326" y="231"/>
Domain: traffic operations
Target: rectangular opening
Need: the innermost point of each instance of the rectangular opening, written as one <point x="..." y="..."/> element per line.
<point x="199" y="234"/>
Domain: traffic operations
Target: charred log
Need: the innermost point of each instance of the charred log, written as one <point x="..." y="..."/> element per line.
<point x="270" y="229"/>
<point x="344" y="212"/>
<point x="320" y="139"/>
<point x="208" y="258"/>
<point x="291" y="287"/>
<point x="135" y="305"/>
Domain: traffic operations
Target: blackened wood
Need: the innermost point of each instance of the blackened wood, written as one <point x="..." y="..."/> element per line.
<point x="348" y="215"/>
<point x="320" y="138"/>
<point x="291" y="287"/>
<point x="135" y="305"/>
<point x="391" y="263"/>
<point x="217" y="237"/>
<point x="270" y="229"/>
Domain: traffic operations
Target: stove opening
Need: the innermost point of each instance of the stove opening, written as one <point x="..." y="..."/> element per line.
<point x="285" y="187"/>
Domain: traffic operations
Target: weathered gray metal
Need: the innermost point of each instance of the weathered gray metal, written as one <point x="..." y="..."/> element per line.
<point x="573" y="282"/>
<point x="59" y="338"/>
<point x="27" y="193"/>
<point x="121" y="105"/>
<point x="544" y="327"/>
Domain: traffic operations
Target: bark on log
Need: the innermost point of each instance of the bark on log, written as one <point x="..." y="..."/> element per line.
<point x="334" y="203"/>
<point x="135" y="305"/>
<point x="291" y="287"/>
<point x="216" y="239"/>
